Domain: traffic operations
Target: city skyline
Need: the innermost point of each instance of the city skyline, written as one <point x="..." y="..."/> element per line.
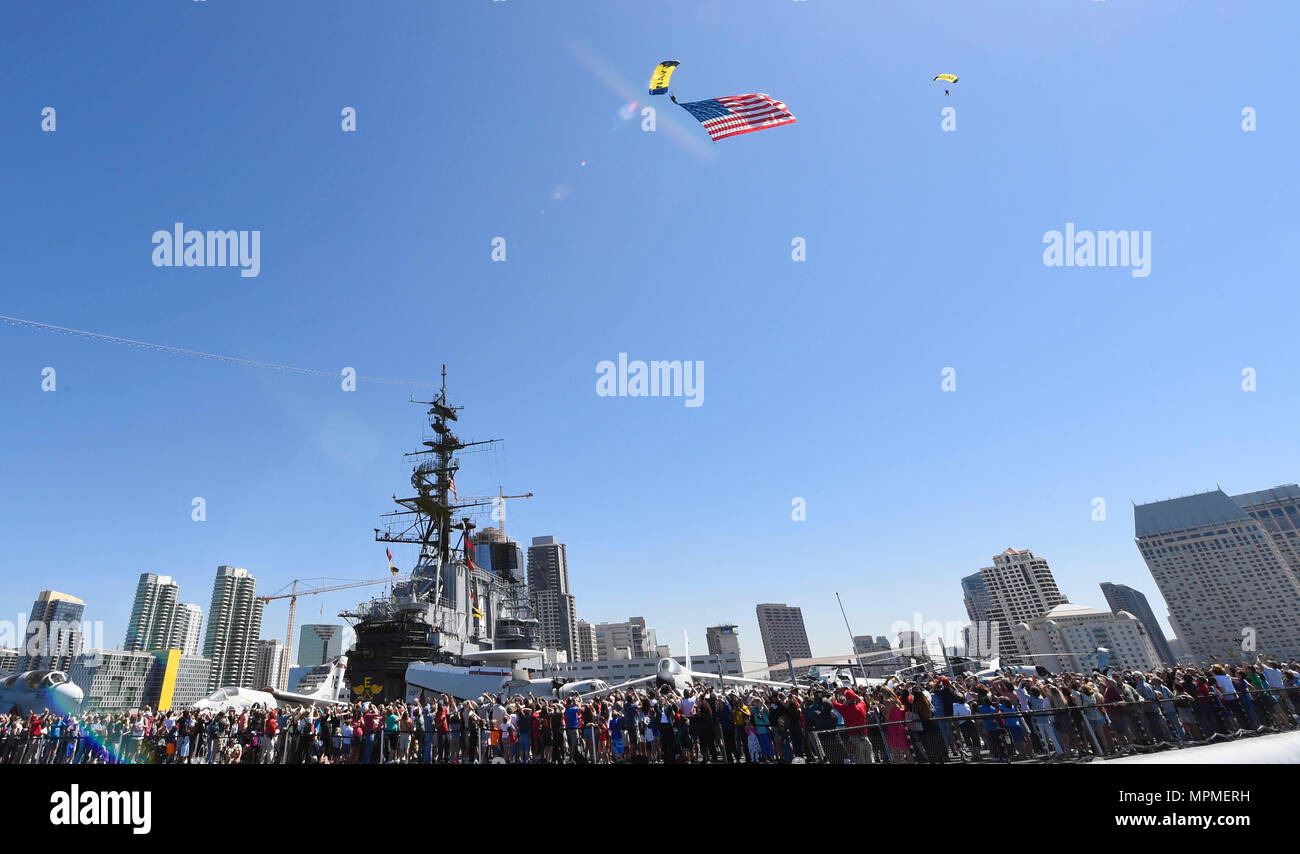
<point x="924" y="254"/>
<point x="551" y="541"/>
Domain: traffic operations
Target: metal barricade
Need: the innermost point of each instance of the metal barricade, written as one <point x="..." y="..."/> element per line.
<point x="1066" y="734"/>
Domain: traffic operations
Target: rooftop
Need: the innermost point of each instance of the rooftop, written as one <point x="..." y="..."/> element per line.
<point x="1069" y="609"/>
<point x="1287" y="491"/>
<point x="1191" y="511"/>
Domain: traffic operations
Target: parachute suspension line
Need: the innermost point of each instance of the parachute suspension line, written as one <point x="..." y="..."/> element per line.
<point x="233" y="360"/>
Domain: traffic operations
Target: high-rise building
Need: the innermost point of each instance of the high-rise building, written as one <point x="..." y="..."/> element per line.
<point x="548" y="590"/>
<point x="1017" y="588"/>
<point x="152" y="612"/>
<point x="234" y="627"/>
<point x="53" y="637"/>
<point x="975" y="595"/>
<point x="982" y="637"/>
<point x="586" y="641"/>
<point x="499" y="554"/>
<point x="723" y="640"/>
<point x="1227" y="569"/>
<point x="1121" y="597"/>
<point x="187" y="631"/>
<point x="318" y="644"/>
<point x="634" y="635"/>
<point x="782" y="630"/>
<point x="270" y="663"/>
<point x="1278" y="510"/>
<point x="8" y="659"/>
<point x="1068" y="638"/>
<point x="159" y="620"/>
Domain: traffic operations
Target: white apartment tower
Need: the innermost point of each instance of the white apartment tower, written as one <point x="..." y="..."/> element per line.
<point x="270" y="664"/>
<point x="159" y="620"/>
<point x="1017" y="588"/>
<point x="586" y="641"/>
<point x="234" y="627"/>
<point x="187" y="630"/>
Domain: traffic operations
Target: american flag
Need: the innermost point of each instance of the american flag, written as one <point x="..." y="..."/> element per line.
<point x="732" y="115"/>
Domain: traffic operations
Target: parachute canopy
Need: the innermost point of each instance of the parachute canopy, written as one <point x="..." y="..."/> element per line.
<point x="946" y="78"/>
<point x="662" y="74"/>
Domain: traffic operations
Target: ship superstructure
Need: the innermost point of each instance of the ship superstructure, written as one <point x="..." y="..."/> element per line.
<point x="448" y="607"/>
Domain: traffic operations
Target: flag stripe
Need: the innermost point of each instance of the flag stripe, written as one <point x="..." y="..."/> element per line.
<point x="733" y="115"/>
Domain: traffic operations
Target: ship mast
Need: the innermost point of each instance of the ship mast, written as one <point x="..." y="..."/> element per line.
<point x="427" y="517"/>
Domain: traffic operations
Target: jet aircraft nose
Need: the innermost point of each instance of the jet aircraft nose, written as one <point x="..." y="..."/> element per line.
<point x="68" y="697"/>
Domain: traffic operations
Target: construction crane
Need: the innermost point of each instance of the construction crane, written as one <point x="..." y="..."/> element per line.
<point x="292" y="596"/>
<point x="501" y="505"/>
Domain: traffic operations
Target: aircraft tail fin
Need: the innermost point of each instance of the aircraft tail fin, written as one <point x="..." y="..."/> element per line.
<point x="332" y="688"/>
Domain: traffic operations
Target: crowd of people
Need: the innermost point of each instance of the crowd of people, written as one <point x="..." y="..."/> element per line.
<point x="927" y="718"/>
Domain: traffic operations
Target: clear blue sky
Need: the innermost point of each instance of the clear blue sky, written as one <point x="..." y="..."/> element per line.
<point x="822" y="378"/>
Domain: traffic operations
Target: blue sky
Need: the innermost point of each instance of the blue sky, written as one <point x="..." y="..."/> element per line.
<point x="474" y="120"/>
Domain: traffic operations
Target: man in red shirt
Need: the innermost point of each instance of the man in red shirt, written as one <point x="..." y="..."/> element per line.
<point x="854" y="712"/>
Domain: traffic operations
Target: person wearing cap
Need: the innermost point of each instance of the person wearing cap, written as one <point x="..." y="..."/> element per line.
<point x="854" y="712"/>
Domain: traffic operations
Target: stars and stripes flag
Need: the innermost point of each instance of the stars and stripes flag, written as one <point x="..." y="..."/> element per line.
<point x="451" y="481"/>
<point x="732" y="115"/>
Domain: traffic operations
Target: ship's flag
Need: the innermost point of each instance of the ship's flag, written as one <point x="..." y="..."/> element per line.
<point x="390" y="561"/>
<point x="732" y="115"/>
<point x="451" y="481"/>
<point x="473" y="596"/>
<point x="469" y="551"/>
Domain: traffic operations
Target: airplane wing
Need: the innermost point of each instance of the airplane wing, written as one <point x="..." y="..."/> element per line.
<point x="849" y="660"/>
<point x="305" y="699"/>
<point x="697" y="675"/>
<point x="641" y="681"/>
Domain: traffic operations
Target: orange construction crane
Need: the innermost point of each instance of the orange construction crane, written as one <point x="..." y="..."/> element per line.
<point x="292" y="596"/>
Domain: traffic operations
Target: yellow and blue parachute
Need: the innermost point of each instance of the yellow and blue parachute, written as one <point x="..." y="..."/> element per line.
<point x="662" y="74"/>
